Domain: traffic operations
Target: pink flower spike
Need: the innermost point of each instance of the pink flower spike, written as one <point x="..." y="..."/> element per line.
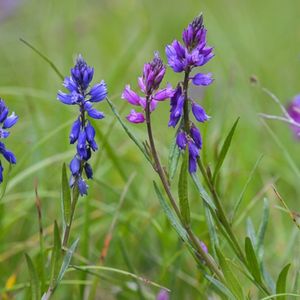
<point x="131" y="96"/>
<point x="135" y="117"/>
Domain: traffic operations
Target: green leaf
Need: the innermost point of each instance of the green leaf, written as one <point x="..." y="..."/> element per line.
<point x="252" y="260"/>
<point x="65" y="195"/>
<point x="203" y="194"/>
<point x="251" y="232"/>
<point x="224" y="149"/>
<point x="66" y="261"/>
<point x="174" y="155"/>
<point x="230" y="278"/>
<point x="183" y="190"/>
<point x="251" y="175"/>
<point x="34" y="279"/>
<point x="55" y="257"/>
<point x="220" y="287"/>
<point x="171" y="215"/>
<point x="281" y="282"/>
<point x="128" y="131"/>
<point x="263" y="225"/>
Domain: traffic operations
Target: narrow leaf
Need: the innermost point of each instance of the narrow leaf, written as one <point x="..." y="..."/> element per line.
<point x="230" y="278"/>
<point x="174" y="154"/>
<point x="170" y="215"/>
<point x="224" y="149"/>
<point x="183" y="190"/>
<point x="66" y="261"/>
<point x="34" y="279"/>
<point x="281" y="282"/>
<point x="239" y="200"/>
<point x="252" y="260"/>
<point x="203" y="194"/>
<point x="220" y="287"/>
<point x="44" y="57"/>
<point x="56" y="257"/>
<point x="127" y="130"/>
<point x="65" y="195"/>
<point x="263" y="225"/>
<point x="251" y="232"/>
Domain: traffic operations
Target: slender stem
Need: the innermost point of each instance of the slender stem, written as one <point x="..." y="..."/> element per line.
<point x="158" y="168"/>
<point x="67" y="230"/>
<point x="223" y="219"/>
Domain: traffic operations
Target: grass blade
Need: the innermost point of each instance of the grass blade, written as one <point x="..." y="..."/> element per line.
<point x="224" y="149"/>
<point x="174" y="155"/>
<point x="127" y="130"/>
<point x="281" y="282"/>
<point x="252" y="260"/>
<point x="44" y="57"/>
<point x="34" y="280"/>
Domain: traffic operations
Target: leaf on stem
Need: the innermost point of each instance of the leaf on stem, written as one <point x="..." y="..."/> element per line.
<point x="230" y="278"/>
<point x="281" y="282"/>
<point x="34" y="279"/>
<point x="252" y="260"/>
<point x="65" y="196"/>
<point x="224" y="149"/>
<point x="183" y="191"/>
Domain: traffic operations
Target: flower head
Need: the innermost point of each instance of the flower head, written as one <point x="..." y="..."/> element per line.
<point x="294" y="112"/>
<point x="6" y="121"/>
<point x="194" y="52"/>
<point x="185" y="57"/>
<point x="81" y="94"/>
<point x="149" y="83"/>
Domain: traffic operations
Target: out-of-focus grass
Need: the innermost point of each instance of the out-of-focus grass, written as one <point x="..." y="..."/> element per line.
<point x="117" y="37"/>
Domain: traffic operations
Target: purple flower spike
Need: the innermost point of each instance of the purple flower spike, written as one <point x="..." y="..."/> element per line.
<point x="153" y="74"/>
<point x="196" y="136"/>
<point x="294" y="112"/>
<point x="82" y="132"/>
<point x="195" y="53"/>
<point x="199" y="112"/>
<point x="6" y="122"/>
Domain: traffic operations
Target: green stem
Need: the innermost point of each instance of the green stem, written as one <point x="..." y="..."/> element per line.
<point x="158" y="168"/>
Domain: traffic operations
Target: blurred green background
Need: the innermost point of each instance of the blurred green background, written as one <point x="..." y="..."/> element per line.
<point x="117" y="37"/>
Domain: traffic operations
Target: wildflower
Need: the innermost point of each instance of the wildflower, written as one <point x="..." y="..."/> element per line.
<point x="82" y="131"/>
<point x="185" y="57"/>
<point x="6" y="122"/>
<point x="163" y="295"/>
<point x="153" y="74"/>
<point x="294" y="112"/>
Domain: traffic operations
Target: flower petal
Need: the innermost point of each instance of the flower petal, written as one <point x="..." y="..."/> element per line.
<point x="199" y="112"/>
<point x="98" y="92"/>
<point x="135" y="117"/>
<point x="132" y="97"/>
<point x="202" y="79"/>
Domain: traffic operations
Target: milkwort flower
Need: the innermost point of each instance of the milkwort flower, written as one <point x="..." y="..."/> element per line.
<point x="294" y="112"/>
<point x="81" y="94"/>
<point x="153" y="74"/>
<point x="193" y="53"/>
<point x="6" y="122"/>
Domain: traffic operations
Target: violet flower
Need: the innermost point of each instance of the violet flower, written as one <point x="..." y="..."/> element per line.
<point x="185" y="57"/>
<point x="294" y="112"/>
<point x="6" y="122"/>
<point x="153" y="74"/>
<point x="82" y="130"/>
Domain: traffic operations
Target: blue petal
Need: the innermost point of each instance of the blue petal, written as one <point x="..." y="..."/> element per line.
<point x="1" y="173"/>
<point x="88" y="171"/>
<point x="98" y="92"/>
<point x="75" y="131"/>
<point x="199" y="112"/>
<point x="10" y="121"/>
<point x="95" y="114"/>
<point x="82" y="186"/>
<point x="75" y="165"/>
